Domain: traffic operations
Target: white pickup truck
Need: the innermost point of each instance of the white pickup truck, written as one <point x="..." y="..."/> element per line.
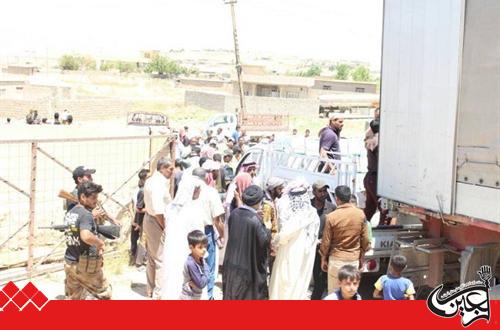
<point x="226" y="121"/>
<point x="276" y="160"/>
<point x="255" y="125"/>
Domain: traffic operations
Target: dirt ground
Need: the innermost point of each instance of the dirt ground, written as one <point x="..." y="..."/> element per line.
<point x="130" y="284"/>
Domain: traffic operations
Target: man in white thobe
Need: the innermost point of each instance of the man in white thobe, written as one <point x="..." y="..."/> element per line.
<point x="295" y="244"/>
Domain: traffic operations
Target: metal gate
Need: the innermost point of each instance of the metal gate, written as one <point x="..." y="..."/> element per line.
<point x="32" y="172"/>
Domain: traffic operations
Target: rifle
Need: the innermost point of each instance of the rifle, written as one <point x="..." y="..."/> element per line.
<point x="72" y="198"/>
<point x="68" y="196"/>
<point x="109" y="231"/>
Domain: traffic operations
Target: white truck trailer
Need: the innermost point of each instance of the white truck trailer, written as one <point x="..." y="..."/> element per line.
<point x="440" y="132"/>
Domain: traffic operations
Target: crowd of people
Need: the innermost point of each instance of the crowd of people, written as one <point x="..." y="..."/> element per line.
<point x="273" y="237"/>
<point x="33" y="118"/>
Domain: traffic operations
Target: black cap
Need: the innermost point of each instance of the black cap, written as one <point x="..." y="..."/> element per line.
<point x="82" y="171"/>
<point x="253" y="195"/>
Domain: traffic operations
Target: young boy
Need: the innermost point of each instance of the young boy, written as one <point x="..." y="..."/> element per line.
<point x="196" y="273"/>
<point x="394" y="286"/>
<point x="349" y="277"/>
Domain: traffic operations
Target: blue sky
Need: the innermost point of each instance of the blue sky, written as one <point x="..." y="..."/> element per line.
<point x="330" y="29"/>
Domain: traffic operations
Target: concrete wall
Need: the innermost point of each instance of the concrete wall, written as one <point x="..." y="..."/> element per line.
<point x="11" y="83"/>
<point x="254" y="69"/>
<point x="41" y="91"/>
<point x="24" y="70"/>
<point x="33" y="92"/>
<point x="208" y="83"/>
<point x="205" y="100"/>
<point x="11" y="90"/>
<point x="284" y="91"/>
<point x="294" y="92"/>
<point x="18" y="109"/>
<point x="254" y="104"/>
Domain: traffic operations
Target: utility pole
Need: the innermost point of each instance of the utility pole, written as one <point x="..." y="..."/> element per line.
<point x="241" y="112"/>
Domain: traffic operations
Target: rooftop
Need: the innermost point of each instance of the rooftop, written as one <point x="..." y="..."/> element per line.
<point x="277" y="80"/>
<point x="330" y="79"/>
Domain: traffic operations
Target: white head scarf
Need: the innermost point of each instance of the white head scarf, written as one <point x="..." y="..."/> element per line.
<point x="295" y="212"/>
<point x="186" y="189"/>
<point x="297" y="194"/>
<point x="273" y="183"/>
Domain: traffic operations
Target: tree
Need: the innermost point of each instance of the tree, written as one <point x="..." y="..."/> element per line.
<point x="361" y="73"/>
<point x="126" y="67"/>
<point x="313" y="71"/>
<point x="193" y="72"/>
<point x="377" y="81"/>
<point x="163" y="65"/>
<point x="107" y="66"/>
<point x="343" y="71"/>
<point x="74" y="62"/>
<point x="69" y="62"/>
<point x="87" y="62"/>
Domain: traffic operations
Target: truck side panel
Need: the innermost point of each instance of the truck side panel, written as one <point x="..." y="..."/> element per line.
<point x="478" y="137"/>
<point x="419" y="92"/>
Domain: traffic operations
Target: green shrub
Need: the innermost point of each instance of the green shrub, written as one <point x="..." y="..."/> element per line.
<point x="126" y="67"/>
<point x="164" y="66"/>
<point x="69" y="62"/>
<point x="342" y="71"/>
<point x="75" y="62"/>
<point x="361" y="73"/>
